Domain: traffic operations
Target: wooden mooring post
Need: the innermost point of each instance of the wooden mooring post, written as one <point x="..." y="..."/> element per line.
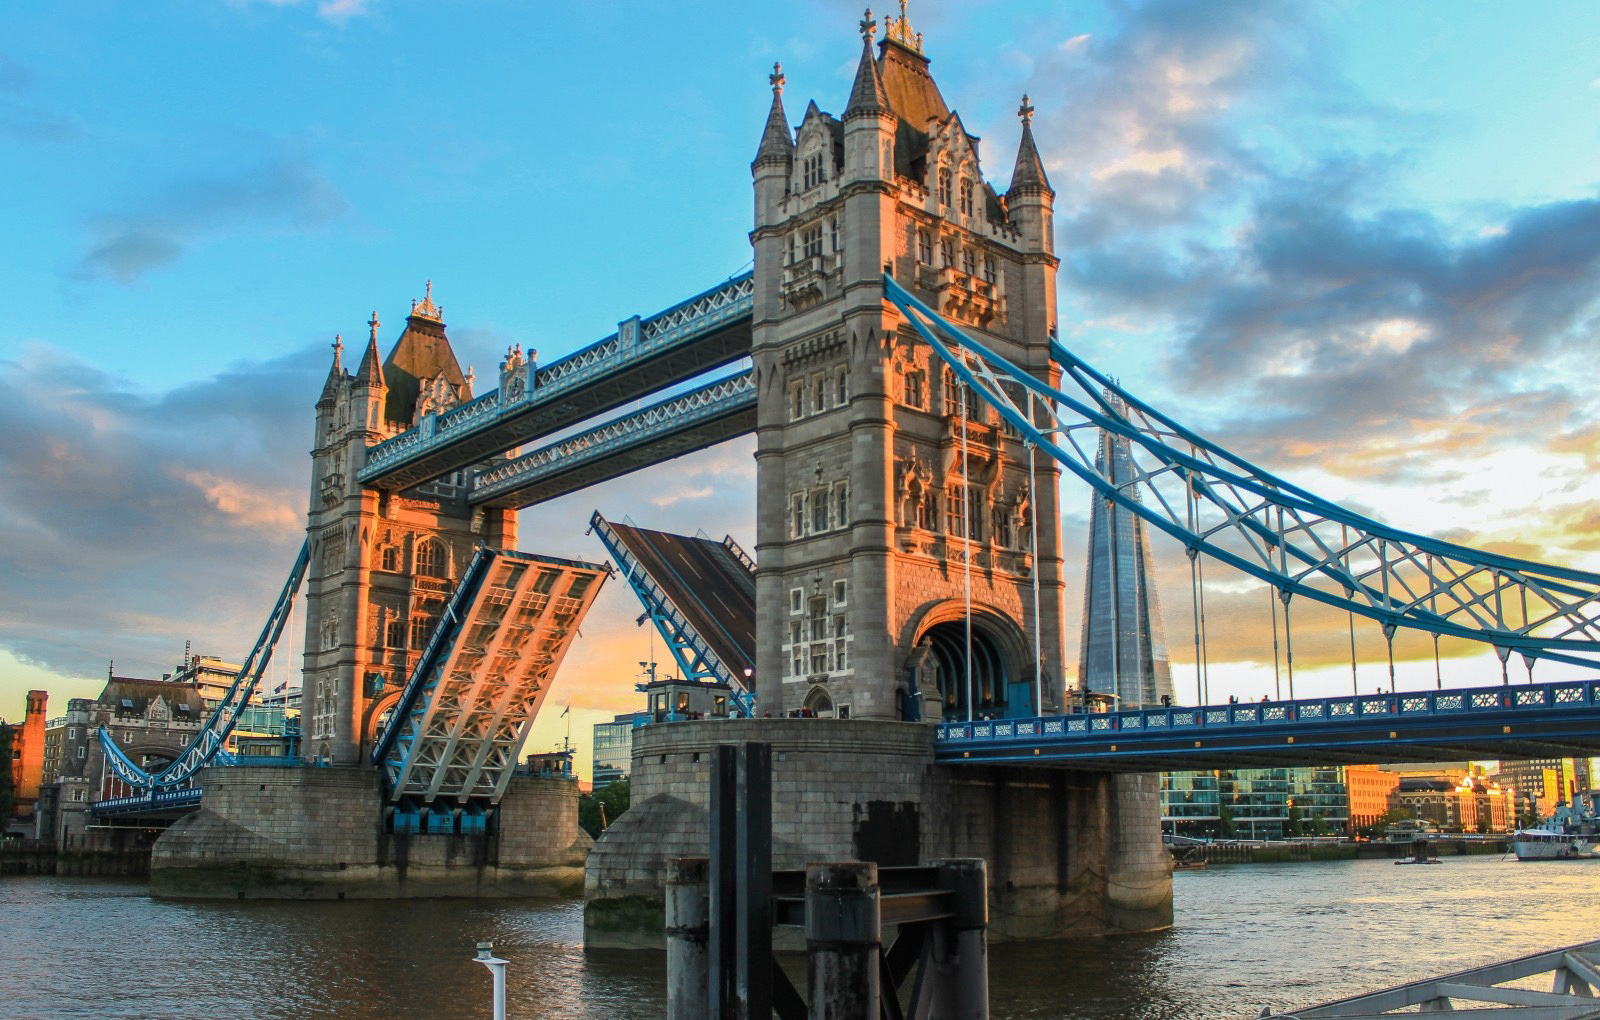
<point x="720" y="915"/>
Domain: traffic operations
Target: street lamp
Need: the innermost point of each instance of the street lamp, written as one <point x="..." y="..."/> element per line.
<point x="497" y="967"/>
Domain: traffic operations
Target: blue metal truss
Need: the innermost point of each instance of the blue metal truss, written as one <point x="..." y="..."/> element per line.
<point x="1220" y="504"/>
<point x="695" y="658"/>
<point x="453" y="740"/>
<point x="207" y="744"/>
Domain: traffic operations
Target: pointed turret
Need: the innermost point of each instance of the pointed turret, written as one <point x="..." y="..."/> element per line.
<point x="1028" y="178"/>
<point x="370" y="373"/>
<point x="330" y="388"/>
<point x="421" y="354"/>
<point x="777" y="143"/>
<point x="867" y="96"/>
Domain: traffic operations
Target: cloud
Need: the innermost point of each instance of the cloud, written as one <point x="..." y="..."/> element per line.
<point x="138" y="521"/>
<point x="335" y="11"/>
<point x="276" y="195"/>
<point x="22" y="118"/>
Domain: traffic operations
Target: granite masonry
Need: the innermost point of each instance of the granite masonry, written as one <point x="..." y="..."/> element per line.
<point x="1068" y="853"/>
<point x="318" y="833"/>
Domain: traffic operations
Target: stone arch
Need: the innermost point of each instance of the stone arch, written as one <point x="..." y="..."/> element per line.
<point x="819" y="702"/>
<point x="375" y="715"/>
<point x="936" y="638"/>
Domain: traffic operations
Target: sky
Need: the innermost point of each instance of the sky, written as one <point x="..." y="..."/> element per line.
<point x="1358" y="243"/>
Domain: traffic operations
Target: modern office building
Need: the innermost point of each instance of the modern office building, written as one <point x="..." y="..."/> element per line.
<point x="1255" y="803"/>
<point x="613" y="749"/>
<point x="1124" y="648"/>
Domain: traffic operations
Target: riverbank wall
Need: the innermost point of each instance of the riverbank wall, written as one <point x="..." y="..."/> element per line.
<point x="318" y="833"/>
<point x="110" y="852"/>
<point x="1068" y="853"/>
<point x="1291" y="852"/>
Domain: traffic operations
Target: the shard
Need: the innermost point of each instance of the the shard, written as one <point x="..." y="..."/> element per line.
<point x="1124" y="648"/>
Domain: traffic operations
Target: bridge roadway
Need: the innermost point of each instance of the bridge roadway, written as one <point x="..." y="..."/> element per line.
<point x="1550" y="720"/>
<point x="644" y="356"/>
<point x="705" y="582"/>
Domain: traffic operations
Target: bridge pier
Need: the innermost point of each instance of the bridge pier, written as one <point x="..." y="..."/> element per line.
<point x="267" y="832"/>
<point x="1069" y="853"/>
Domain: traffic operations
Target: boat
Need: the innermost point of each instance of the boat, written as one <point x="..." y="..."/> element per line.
<point x="1549" y="845"/>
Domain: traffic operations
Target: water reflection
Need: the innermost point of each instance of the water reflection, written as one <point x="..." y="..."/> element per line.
<point x="1247" y="936"/>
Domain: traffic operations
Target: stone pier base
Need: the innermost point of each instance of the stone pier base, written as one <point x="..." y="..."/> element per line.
<point x="1069" y="853"/>
<point x="317" y="833"/>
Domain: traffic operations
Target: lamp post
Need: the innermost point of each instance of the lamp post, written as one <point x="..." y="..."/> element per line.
<point x="497" y="967"/>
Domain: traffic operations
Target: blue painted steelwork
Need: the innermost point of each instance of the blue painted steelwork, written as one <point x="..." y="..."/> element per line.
<point x="180" y="798"/>
<point x="695" y="658"/>
<point x="1217" y="503"/>
<point x="463" y="716"/>
<point x="1538" y="720"/>
<point x="408" y="711"/>
<point x="207" y="744"/>
<point x="679" y="425"/>
<point x="694" y="336"/>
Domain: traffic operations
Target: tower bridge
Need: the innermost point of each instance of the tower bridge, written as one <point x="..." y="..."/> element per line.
<point x="914" y="415"/>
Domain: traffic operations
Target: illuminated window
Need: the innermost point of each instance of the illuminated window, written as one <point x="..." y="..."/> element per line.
<point x="430" y="559"/>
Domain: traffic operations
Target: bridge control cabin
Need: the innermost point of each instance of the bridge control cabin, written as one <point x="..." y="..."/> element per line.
<point x="674" y="700"/>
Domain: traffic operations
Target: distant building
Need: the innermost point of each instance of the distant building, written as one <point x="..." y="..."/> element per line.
<point x="1371" y="792"/>
<point x="1255" y="803"/>
<point x="613" y="749"/>
<point x="1457" y="796"/>
<point x="1540" y="785"/>
<point x="27" y="756"/>
<point x="152" y="721"/>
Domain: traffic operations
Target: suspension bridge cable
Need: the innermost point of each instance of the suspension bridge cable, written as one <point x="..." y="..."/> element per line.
<point x="1038" y="622"/>
<point x="1388" y="637"/>
<point x="966" y="532"/>
<point x="1194" y="589"/>
<point x="1272" y="606"/>
<point x="1438" y="677"/>
<point x="1205" y="642"/>
<point x="1288" y="643"/>
<point x="1349" y="592"/>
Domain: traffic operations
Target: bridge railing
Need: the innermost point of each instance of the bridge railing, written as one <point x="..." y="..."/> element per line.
<point x="1336" y="711"/>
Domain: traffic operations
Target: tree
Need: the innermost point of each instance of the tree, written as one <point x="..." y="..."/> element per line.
<point x="1292" y="824"/>
<point x="8" y="793"/>
<point x="1225" y="820"/>
<point x="1319" y="825"/>
<point x="596" y="811"/>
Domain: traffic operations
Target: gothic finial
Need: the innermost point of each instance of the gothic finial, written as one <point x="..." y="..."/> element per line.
<point x="337" y="345"/>
<point x="425" y="308"/>
<point x="1025" y="111"/>
<point x="776" y="78"/>
<point x="869" y="27"/>
<point x="899" y="29"/>
<point x="373" y="324"/>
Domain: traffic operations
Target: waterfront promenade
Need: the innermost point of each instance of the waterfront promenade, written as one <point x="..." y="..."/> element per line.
<point x="1246" y="936"/>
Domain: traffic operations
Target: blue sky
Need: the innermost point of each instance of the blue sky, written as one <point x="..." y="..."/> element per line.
<point x="1358" y="242"/>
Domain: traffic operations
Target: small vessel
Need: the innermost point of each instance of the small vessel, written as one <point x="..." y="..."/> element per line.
<point x="1548" y="845"/>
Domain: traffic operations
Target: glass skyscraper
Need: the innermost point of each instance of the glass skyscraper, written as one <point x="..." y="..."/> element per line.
<point x="1124" y="648"/>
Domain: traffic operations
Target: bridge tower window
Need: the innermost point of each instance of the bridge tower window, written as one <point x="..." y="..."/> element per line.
<point x="914" y="389"/>
<point x="421" y="625"/>
<point x="797" y="409"/>
<point x="969" y="262"/>
<point x="430" y="559"/>
<point x="819" y="393"/>
<point x="924" y="248"/>
<point x="797" y="525"/>
<point x="819" y="511"/>
<point x="841" y="504"/>
<point x="811" y="241"/>
<point x="842" y="388"/>
<point x="989" y="276"/>
<point x="945" y="178"/>
<point x="947" y="253"/>
<point x="394" y="633"/>
<point x="966" y="196"/>
<point x="811" y="171"/>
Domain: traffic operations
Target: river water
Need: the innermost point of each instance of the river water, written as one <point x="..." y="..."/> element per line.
<point x="1246" y="936"/>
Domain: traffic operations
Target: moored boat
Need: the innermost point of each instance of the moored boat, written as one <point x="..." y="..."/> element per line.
<point x="1547" y="845"/>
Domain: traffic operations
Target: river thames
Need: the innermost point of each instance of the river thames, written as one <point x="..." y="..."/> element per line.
<point x="1246" y="936"/>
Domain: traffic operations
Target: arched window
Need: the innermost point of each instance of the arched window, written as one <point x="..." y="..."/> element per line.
<point x="924" y="248"/>
<point x="944" y="186"/>
<point x="841" y="504"/>
<point x="394" y="632"/>
<point x="947" y="253"/>
<point x="842" y="388"/>
<point x="966" y="196"/>
<point x="421" y="628"/>
<point x="430" y="559"/>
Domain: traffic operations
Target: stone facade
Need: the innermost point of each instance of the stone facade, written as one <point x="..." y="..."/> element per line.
<point x="1068" y="853"/>
<point x="885" y="492"/>
<point x="318" y="833"/>
<point x="382" y="565"/>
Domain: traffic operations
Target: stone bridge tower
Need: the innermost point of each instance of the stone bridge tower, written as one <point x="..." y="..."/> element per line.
<point x="888" y="502"/>
<point x="382" y="565"/>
